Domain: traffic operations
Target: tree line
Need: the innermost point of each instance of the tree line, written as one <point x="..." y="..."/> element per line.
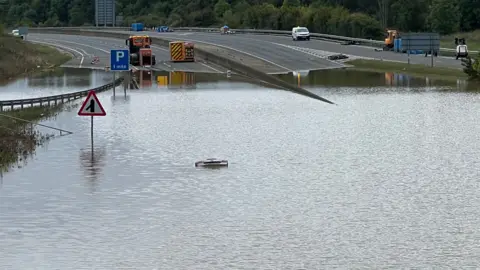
<point x="356" y="18"/>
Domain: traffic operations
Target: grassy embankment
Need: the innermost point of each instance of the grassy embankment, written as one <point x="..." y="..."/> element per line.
<point x="472" y="39"/>
<point x="18" y="58"/>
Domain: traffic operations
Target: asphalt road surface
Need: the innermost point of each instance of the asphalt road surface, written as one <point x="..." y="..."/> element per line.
<point x="85" y="49"/>
<point x="283" y="51"/>
<point x="285" y="59"/>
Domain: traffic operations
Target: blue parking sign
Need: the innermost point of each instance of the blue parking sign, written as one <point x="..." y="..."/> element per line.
<point x="119" y="60"/>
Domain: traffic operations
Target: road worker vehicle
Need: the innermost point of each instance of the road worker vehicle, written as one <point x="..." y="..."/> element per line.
<point x="140" y="52"/>
<point x="461" y="49"/>
<point x="225" y="30"/>
<point x="162" y="29"/>
<point x="390" y="39"/>
<point x="181" y="51"/>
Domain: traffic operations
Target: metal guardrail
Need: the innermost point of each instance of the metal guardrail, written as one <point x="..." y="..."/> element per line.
<point x="246" y="31"/>
<point x="360" y="41"/>
<point x="53" y="100"/>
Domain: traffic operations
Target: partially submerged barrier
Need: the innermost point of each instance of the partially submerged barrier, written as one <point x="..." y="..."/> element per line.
<point x="201" y="53"/>
<point x="54" y="100"/>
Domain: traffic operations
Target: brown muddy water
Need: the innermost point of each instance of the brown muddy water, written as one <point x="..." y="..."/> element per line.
<point x="386" y="179"/>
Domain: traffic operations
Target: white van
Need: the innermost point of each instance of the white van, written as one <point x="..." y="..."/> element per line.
<point x="462" y="51"/>
<point x="299" y="33"/>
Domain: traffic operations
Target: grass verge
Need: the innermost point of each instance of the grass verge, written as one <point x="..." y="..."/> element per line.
<point x="18" y="57"/>
<point x="472" y="39"/>
<point x="19" y="139"/>
<point x="412" y="69"/>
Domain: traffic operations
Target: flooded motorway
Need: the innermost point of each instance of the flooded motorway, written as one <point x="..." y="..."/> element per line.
<point x="386" y="179"/>
<point x="60" y="81"/>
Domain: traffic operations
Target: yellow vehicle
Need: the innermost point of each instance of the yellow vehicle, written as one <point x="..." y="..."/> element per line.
<point x="181" y="51"/>
<point x="140" y="52"/>
<point x="390" y="39"/>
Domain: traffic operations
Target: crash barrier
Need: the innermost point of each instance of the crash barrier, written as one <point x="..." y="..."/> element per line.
<point x="53" y="100"/>
<point x="349" y="40"/>
<point x="201" y="53"/>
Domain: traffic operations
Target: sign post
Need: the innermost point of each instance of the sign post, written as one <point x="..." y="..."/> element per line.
<point x="119" y="61"/>
<point x="23" y="32"/>
<point x="91" y="107"/>
<point x="428" y="42"/>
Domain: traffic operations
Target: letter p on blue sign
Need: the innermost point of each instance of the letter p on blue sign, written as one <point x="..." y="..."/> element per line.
<point x="120" y="55"/>
<point x="119" y="60"/>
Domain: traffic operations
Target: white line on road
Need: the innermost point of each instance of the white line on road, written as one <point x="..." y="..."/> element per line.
<point x="163" y="49"/>
<point x="237" y="50"/>
<point x="63" y="47"/>
<point x="210" y="67"/>
<point x="205" y="65"/>
<point x="81" y="44"/>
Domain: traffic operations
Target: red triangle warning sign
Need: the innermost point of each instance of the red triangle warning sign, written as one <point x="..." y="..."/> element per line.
<point x="92" y="106"/>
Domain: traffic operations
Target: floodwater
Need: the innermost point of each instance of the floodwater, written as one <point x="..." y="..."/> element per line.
<point x="365" y="79"/>
<point x="386" y="179"/>
<point x="59" y="81"/>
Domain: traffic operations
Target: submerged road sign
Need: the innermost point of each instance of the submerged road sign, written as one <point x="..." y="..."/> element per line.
<point x="92" y="106"/>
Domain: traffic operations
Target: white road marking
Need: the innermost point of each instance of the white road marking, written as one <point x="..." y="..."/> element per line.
<point x="64" y="47"/>
<point x="324" y="54"/>
<point x="240" y="51"/>
<point x="210" y="67"/>
<point x="81" y="44"/>
<point x="163" y="49"/>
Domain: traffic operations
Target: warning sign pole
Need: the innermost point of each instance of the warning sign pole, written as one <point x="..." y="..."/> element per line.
<point x="91" y="131"/>
<point x="91" y="107"/>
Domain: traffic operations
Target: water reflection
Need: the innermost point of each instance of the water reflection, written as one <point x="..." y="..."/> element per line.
<point x="58" y="81"/>
<point x="92" y="161"/>
<point x="356" y="78"/>
<point x="185" y="80"/>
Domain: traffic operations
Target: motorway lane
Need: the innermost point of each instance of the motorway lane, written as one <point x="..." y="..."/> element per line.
<point x="329" y="48"/>
<point x="284" y="58"/>
<point x="274" y="48"/>
<point x="363" y="51"/>
<point x="85" y="48"/>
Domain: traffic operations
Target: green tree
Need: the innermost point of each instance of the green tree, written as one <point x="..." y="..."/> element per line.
<point x="220" y="8"/>
<point x="469" y="11"/>
<point x="471" y="67"/>
<point x="443" y="17"/>
<point x="358" y="18"/>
